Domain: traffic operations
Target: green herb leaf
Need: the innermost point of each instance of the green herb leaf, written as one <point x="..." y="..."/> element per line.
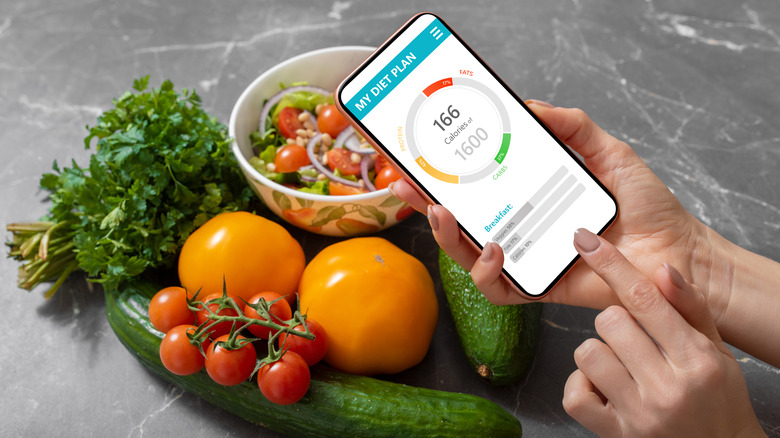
<point x="162" y="167"/>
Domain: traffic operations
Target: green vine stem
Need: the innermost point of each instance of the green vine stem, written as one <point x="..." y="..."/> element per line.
<point x="46" y="251"/>
<point x="242" y="322"/>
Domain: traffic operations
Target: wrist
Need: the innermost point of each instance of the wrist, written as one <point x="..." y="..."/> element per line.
<point x="741" y="289"/>
<point x="712" y="268"/>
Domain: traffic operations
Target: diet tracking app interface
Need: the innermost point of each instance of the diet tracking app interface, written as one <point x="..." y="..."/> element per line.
<point x="451" y="125"/>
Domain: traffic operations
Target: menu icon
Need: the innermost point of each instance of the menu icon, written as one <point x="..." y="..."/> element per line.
<point x="436" y="32"/>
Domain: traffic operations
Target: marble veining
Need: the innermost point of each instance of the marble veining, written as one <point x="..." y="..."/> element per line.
<point x="691" y="86"/>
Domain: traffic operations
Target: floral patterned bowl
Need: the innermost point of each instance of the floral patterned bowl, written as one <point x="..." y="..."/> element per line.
<point x="329" y="215"/>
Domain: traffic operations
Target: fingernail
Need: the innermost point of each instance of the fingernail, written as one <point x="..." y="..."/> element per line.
<point x="390" y="187"/>
<point x="433" y="219"/>
<point x="586" y="241"/>
<point x="675" y="275"/>
<point x="487" y="253"/>
<point x="541" y="103"/>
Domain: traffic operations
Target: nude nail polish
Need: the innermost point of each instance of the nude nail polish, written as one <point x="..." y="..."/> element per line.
<point x="675" y="275"/>
<point x="586" y="241"/>
<point x="487" y="253"/>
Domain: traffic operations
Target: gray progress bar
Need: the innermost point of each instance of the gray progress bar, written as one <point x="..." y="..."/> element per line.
<point x="547" y="223"/>
<point x="528" y="206"/>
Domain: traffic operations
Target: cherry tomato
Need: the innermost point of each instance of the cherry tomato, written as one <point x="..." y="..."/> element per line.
<point x="338" y="189"/>
<point x="280" y="311"/>
<point x="341" y="159"/>
<point x="178" y="355"/>
<point x="168" y="309"/>
<point x="288" y="121"/>
<point x="330" y="120"/>
<point x="311" y="350"/>
<point x="379" y="163"/>
<point x="285" y="381"/>
<point x="290" y="158"/>
<point x="385" y="177"/>
<point x="230" y="367"/>
<point x="221" y="328"/>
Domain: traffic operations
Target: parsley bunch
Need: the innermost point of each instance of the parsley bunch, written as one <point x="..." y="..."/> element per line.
<point x="163" y="167"/>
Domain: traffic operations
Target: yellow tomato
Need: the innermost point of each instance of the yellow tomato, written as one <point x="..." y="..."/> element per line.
<point x="252" y="254"/>
<point x="376" y="303"/>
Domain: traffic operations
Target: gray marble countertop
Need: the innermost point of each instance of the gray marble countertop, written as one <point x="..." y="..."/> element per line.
<point x="692" y="85"/>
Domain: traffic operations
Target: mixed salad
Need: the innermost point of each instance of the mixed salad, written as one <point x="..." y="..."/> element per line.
<point x="304" y="143"/>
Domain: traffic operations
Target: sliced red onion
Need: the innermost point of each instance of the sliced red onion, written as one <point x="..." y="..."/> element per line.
<point x="304" y="177"/>
<point x="314" y="157"/>
<point x="364" y="165"/>
<point x="308" y="178"/>
<point x="313" y="120"/>
<point x="343" y="140"/>
<point x="343" y="135"/>
<point x="315" y="160"/>
<point x="273" y="100"/>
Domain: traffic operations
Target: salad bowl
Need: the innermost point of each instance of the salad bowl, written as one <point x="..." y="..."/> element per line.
<point x="345" y="215"/>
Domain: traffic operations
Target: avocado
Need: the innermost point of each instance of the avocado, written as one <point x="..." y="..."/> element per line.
<point x="499" y="341"/>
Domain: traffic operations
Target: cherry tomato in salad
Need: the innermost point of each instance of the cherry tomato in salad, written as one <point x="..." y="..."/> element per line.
<point x="339" y="189"/>
<point x="385" y="176"/>
<point x="288" y="121"/>
<point x="168" y="309"/>
<point x="311" y="350"/>
<point x="202" y="315"/>
<point x="330" y="120"/>
<point x="178" y="355"/>
<point x="290" y="158"/>
<point x="230" y="367"/>
<point x="341" y="159"/>
<point x="379" y="163"/>
<point x="285" y="381"/>
<point x="280" y="311"/>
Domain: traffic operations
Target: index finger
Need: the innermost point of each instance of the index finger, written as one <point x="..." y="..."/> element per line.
<point x="638" y="294"/>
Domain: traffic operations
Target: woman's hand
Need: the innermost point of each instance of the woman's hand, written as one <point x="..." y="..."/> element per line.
<point x="662" y="369"/>
<point x="652" y="226"/>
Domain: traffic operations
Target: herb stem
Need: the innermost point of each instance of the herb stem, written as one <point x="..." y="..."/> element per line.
<point x="47" y="252"/>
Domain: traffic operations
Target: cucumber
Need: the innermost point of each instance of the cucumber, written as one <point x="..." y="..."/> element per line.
<point x="336" y="405"/>
<point x="499" y="341"/>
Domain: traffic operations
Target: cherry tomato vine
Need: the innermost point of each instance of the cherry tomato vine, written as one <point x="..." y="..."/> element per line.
<point x="241" y="322"/>
<point x="222" y="343"/>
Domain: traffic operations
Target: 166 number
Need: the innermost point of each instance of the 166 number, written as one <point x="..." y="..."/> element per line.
<point x="445" y="118"/>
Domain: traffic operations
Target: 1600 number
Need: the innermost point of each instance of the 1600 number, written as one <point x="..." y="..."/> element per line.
<point x="472" y="142"/>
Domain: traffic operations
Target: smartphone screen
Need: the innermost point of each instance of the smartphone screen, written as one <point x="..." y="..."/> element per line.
<point x="461" y="135"/>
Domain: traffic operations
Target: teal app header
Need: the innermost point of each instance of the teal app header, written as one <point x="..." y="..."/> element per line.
<point x="399" y="68"/>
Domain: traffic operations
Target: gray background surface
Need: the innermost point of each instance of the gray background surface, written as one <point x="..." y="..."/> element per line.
<point x="692" y="85"/>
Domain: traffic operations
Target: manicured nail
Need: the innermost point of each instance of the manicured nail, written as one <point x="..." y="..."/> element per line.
<point x="487" y="253"/>
<point x="542" y="103"/>
<point x="586" y="241"/>
<point x="433" y="219"/>
<point x="675" y="275"/>
<point x="390" y="187"/>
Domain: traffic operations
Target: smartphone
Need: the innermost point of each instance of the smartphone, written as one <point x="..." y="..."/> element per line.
<point x="454" y="129"/>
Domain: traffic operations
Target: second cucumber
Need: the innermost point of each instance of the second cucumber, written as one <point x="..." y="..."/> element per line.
<point x="499" y="341"/>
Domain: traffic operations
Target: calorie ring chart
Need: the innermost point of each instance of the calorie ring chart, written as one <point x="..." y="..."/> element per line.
<point x="475" y="126"/>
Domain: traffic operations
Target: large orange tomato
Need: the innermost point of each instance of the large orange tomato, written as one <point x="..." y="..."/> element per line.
<point x="376" y="302"/>
<point x="252" y="253"/>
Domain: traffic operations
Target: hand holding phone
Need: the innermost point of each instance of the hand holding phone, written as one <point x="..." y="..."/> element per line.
<point x="453" y="129"/>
